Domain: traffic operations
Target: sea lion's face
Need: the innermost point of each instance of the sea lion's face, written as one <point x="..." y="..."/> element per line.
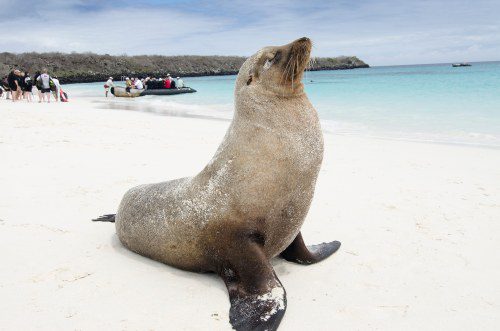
<point x="276" y="69"/>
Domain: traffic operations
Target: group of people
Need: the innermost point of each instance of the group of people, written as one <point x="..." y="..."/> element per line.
<point x="160" y="83"/>
<point x="19" y="85"/>
<point x="146" y="83"/>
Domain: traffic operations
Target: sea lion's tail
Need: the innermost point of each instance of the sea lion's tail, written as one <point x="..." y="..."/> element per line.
<point x="105" y="218"/>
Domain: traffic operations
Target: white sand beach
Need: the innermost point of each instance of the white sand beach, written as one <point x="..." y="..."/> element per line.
<point x="419" y="225"/>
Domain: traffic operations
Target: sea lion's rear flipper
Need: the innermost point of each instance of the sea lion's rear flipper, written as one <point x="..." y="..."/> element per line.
<point x="298" y="252"/>
<point x="258" y="300"/>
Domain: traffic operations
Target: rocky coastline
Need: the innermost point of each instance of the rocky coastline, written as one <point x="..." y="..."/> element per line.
<point x="89" y="67"/>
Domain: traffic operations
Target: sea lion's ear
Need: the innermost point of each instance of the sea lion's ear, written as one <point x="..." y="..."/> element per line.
<point x="250" y="78"/>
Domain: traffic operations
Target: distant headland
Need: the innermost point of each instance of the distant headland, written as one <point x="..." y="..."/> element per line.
<point x="89" y="67"/>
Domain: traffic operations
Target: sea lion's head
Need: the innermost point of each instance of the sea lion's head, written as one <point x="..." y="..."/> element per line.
<point x="276" y="69"/>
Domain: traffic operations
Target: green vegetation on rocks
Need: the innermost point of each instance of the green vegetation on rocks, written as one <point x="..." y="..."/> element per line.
<point x="89" y="67"/>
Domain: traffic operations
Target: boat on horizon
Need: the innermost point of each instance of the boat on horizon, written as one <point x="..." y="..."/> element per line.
<point x="463" y="64"/>
<point x="119" y="91"/>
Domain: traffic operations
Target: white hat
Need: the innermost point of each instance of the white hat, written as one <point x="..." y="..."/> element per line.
<point x="178" y="77"/>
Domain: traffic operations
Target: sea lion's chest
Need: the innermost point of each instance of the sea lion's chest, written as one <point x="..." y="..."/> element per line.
<point x="272" y="160"/>
<point x="304" y="148"/>
<point x="298" y="142"/>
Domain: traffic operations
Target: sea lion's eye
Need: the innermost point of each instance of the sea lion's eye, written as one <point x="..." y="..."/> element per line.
<point x="249" y="80"/>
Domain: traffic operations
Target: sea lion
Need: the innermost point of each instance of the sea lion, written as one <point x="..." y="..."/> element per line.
<point x="248" y="204"/>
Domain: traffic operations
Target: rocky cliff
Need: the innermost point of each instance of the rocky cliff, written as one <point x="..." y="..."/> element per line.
<point x="89" y="67"/>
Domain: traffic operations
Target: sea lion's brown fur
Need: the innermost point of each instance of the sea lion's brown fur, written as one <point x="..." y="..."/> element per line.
<point x="263" y="173"/>
<point x="248" y="204"/>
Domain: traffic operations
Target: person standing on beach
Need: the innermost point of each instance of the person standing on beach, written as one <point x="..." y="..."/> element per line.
<point x="13" y="80"/>
<point x="5" y="85"/>
<point x="108" y="85"/>
<point x="28" y="87"/>
<point x="22" y="84"/>
<point x="17" y="81"/>
<point x="44" y="80"/>
<point x="39" y="91"/>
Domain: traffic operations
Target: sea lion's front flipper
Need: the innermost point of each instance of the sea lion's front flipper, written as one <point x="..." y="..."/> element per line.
<point x="258" y="300"/>
<point x="298" y="252"/>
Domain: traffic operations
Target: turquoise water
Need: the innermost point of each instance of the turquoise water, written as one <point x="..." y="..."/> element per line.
<point x="436" y="103"/>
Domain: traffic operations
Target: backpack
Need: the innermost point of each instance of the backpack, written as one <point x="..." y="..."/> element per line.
<point x="63" y="96"/>
<point x="53" y="87"/>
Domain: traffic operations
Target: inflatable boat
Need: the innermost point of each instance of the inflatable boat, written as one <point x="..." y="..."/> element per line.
<point x="121" y="92"/>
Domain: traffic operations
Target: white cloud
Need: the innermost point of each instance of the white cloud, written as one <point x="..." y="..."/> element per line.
<point x="379" y="32"/>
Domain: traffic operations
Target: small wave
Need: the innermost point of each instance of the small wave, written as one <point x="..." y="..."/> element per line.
<point x="463" y="138"/>
<point x="169" y="108"/>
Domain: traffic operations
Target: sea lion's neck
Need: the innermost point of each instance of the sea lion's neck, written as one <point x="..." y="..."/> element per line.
<point x="275" y="111"/>
<point x="270" y="128"/>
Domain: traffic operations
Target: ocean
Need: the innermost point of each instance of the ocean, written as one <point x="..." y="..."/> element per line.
<point x="431" y="103"/>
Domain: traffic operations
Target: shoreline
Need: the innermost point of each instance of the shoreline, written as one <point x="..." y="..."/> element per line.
<point x="98" y="103"/>
<point x="150" y="109"/>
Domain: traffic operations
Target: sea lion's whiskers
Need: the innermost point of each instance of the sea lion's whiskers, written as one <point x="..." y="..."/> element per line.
<point x="282" y="80"/>
<point x="288" y="69"/>
<point x="283" y="74"/>
<point x="296" y="69"/>
<point x="289" y="72"/>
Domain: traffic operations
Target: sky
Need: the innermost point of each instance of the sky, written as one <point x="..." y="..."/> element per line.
<point x="386" y="32"/>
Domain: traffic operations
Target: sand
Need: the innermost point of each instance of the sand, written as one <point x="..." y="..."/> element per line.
<point x="419" y="225"/>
